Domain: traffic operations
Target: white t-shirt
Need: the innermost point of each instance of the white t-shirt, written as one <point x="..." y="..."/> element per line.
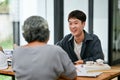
<point x="3" y="61"/>
<point x="77" y="49"/>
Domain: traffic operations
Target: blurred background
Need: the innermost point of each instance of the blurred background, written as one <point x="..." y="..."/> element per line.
<point x="102" y="19"/>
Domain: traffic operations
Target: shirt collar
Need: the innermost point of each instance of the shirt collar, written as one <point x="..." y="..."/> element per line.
<point x="87" y="37"/>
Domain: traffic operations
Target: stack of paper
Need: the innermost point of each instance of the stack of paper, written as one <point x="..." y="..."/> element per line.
<point x="97" y="67"/>
<point x="83" y="70"/>
<point x="90" y="74"/>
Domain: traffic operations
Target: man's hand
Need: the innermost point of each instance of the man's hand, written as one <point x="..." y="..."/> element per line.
<point x="79" y="62"/>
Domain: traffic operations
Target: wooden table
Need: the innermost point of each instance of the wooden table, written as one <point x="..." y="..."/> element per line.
<point x="8" y="72"/>
<point x="106" y="75"/>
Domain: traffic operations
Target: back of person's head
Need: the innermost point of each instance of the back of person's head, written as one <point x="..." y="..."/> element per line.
<point x="35" y="28"/>
<point x="78" y="15"/>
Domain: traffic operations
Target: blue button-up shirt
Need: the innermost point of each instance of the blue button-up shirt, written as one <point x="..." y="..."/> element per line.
<point x="91" y="47"/>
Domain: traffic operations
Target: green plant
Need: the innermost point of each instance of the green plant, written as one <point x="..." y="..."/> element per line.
<point x="3" y="77"/>
<point x="4" y="6"/>
<point x="8" y="43"/>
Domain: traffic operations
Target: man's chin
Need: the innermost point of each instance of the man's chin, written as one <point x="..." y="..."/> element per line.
<point x="74" y="34"/>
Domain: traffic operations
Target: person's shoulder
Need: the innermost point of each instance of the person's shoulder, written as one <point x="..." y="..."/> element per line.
<point x="64" y="40"/>
<point x="68" y="36"/>
<point x="56" y="48"/>
<point x="92" y="35"/>
<point x="17" y="48"/>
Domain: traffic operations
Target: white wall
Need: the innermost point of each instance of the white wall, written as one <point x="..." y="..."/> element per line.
<point x="50" y="19"/>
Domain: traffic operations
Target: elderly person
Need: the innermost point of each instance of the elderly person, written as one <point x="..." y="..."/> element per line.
<point x="37" y="60"/>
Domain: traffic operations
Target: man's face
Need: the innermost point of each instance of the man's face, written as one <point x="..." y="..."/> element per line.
<point x="76" y="26"/>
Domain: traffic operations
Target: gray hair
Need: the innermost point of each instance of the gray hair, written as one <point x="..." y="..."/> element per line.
<point x="35" y="28"/>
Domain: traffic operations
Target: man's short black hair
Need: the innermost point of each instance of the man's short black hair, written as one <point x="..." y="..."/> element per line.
<point x="78" y="15"/>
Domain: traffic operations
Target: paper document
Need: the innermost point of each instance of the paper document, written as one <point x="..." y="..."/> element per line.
<point x="94" y="67"/>
<point x="82" y="71"/>
<point x="89" y="74"/>
<point x="97" y="67"/>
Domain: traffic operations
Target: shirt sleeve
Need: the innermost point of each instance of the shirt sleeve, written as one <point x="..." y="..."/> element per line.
<point x="68" y="66"/>
<point x="95" y="50"/>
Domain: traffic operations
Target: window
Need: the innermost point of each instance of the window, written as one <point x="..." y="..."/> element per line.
<point x="6" y="30"/>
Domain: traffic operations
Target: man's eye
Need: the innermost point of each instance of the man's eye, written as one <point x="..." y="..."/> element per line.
<point x="76" y="23"/>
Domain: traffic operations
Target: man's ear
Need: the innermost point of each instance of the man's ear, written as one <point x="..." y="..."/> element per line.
<point x="83" y="23"/>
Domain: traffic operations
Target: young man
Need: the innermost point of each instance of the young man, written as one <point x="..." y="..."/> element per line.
<point x="80" y="45"/>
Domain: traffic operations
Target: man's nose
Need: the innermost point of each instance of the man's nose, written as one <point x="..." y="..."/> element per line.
<point x="73" y="26"/>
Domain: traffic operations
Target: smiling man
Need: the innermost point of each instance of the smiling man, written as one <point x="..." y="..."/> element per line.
<point x="80" y="45"/>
